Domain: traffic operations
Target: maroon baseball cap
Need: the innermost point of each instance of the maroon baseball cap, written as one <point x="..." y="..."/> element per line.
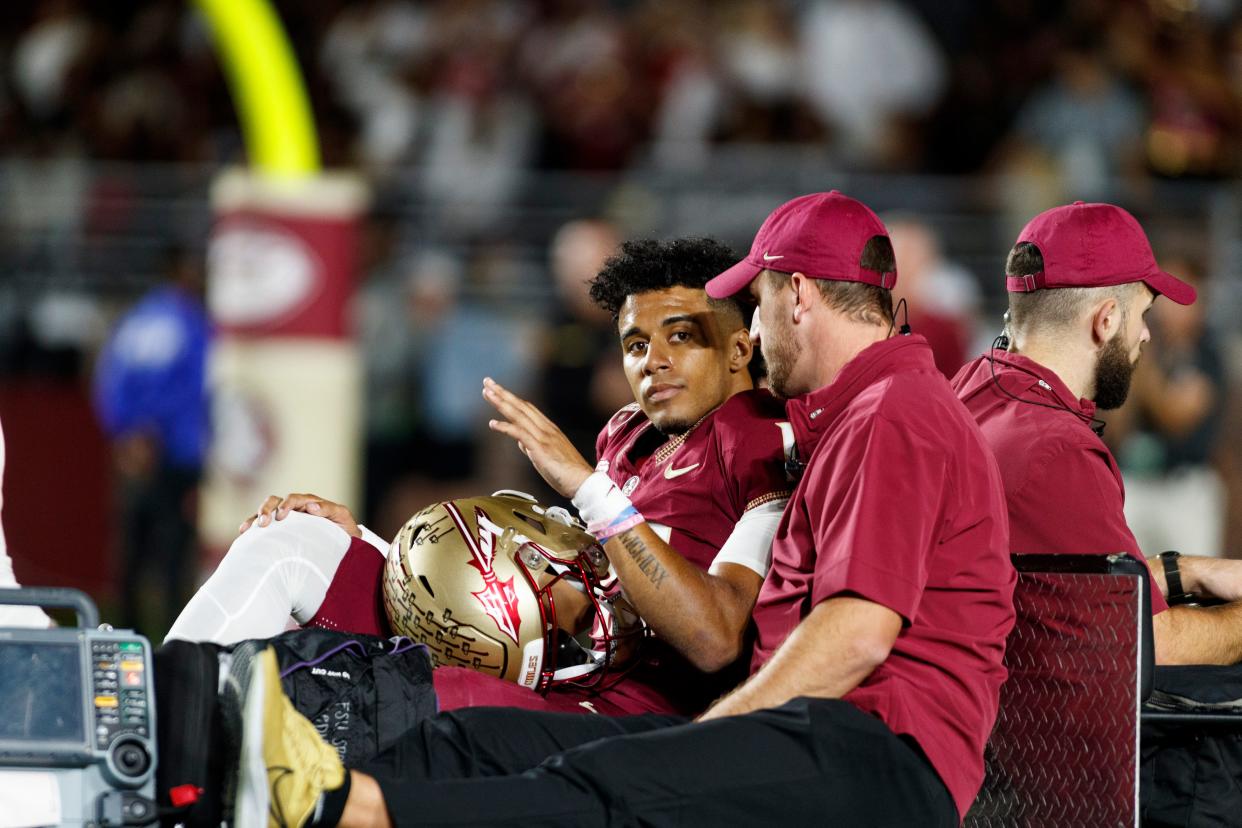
<point x="821" y="235"/>
<point x="1094" y="245"/>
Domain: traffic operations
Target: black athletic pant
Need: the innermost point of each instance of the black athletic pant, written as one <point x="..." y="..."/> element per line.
<point x="157" y="524"/>
<point x="810" y="761"/>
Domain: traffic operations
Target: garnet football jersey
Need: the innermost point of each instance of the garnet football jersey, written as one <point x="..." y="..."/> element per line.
<point x="692" y="489"/>
<point x="695" y="486"/>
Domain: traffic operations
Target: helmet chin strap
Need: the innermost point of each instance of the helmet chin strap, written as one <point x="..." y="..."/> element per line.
<point x="534" y="655"/>
<point x="575" y="671"/>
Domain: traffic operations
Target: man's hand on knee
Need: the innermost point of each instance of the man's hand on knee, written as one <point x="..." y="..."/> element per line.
<point x="278" y="508"/>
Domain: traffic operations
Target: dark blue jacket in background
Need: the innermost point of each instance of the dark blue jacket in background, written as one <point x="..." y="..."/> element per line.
<point x="151" y="375"/>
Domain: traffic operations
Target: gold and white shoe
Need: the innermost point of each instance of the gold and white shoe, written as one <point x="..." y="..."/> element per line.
<point x="283" y="766"/>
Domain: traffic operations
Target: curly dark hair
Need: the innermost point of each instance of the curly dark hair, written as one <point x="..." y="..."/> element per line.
<point x="645" y="265"/>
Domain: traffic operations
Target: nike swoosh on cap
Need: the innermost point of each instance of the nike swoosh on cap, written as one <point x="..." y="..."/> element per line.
<point x="768" y="258"/>
<point x="670" y="472"/>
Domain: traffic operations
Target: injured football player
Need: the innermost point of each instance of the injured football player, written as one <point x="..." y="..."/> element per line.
<point x="685" y="497"/>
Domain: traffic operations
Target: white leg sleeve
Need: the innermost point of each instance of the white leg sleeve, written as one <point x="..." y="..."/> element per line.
<point x="269" y="574"/>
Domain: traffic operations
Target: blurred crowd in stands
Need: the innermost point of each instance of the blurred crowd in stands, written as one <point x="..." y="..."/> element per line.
<point x="502" y="139"/>
<point x="1095" y="87"/>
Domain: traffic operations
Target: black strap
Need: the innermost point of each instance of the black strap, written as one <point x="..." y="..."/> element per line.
<point x="1172" y="576"/>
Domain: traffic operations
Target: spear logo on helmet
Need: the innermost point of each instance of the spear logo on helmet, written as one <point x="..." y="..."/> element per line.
<point x="499" y="599"/>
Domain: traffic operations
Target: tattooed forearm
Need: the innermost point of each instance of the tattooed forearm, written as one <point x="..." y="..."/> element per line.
<point x="644" y="560"/>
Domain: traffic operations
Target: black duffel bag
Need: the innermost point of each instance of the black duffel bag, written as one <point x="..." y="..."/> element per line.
<point x="360" y="692"/>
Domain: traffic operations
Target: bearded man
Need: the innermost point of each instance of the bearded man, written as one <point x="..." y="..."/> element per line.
<point x="1081" y="278"/>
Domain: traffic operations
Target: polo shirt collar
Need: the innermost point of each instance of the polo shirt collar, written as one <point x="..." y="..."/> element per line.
<point x="1023" y="374"/>
<point x="813" y="413"/>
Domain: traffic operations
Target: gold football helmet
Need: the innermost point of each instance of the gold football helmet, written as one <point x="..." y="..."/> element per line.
<point x="473" y="580"/>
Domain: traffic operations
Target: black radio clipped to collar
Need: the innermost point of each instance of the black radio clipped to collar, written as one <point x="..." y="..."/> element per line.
<point x="905" y="318"/>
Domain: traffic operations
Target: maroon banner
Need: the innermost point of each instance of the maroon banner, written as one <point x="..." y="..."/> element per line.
<point x="281" y="269"/>
<point x="285" y="374"/>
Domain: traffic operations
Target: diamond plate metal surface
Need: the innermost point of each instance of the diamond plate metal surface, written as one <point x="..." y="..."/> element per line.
<point x="1064" y="750"/>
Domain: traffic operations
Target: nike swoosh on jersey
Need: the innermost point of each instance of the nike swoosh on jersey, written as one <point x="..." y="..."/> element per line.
<point x="670" y="472"/>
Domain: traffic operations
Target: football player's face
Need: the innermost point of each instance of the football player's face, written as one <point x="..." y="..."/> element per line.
<point x="680" y="358"/>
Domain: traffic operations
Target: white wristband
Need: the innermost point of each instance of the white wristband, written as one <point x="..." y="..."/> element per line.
<point x="598" y="500"/>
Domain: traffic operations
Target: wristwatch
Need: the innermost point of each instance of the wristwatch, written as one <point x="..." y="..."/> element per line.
<point x="1173" y="577"/>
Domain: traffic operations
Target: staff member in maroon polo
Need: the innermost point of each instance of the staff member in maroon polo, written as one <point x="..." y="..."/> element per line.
<point x="1080" y="279"/>
<point x="881" y="625"/>
<point x="890" y="586"/>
